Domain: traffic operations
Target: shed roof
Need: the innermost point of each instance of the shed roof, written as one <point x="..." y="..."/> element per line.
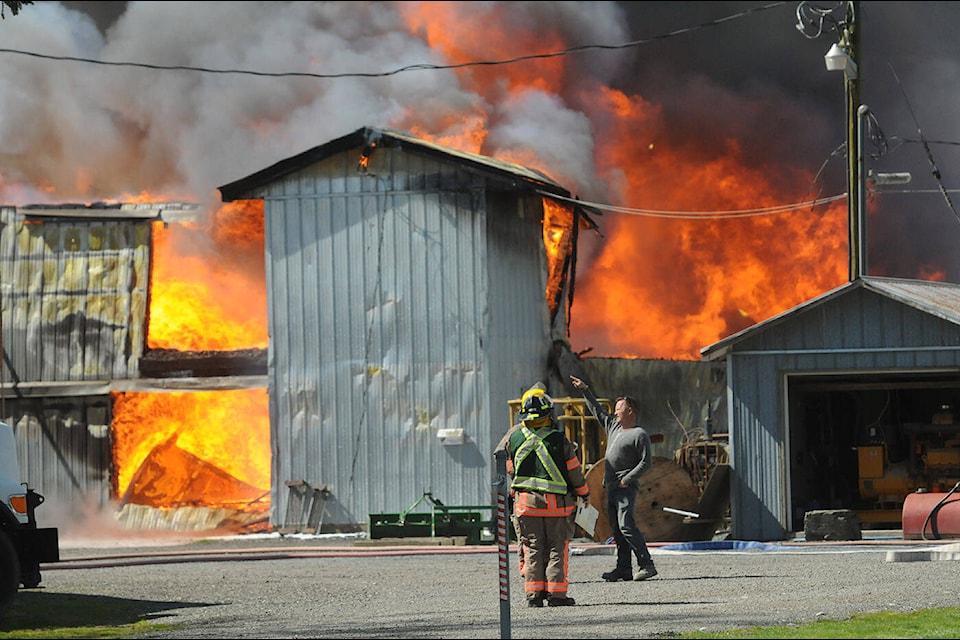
<point x="167" y="211"/>
<point x="940" y="299"/>
<point x="521" y="177"/>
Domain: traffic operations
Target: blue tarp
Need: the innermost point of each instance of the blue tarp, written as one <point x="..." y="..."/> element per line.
<point x="725" y="545"/>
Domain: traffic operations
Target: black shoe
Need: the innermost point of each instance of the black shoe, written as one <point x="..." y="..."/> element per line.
<point x="618" y="574"/>
<point x="646" y="572"/>
<point x="536" y="600"/>
<point x="560" y="601"/>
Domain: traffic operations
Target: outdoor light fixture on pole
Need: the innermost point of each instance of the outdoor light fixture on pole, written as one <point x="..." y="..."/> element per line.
<point x="843" y="56"/>
<point x="838" y="59"/>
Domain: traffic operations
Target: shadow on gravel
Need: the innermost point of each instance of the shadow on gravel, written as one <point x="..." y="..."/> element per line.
<point x="33" y="609"/>
<point x="643" y="603"/>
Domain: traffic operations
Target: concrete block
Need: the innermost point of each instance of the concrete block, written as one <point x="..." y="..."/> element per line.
<point x="831" y="524"/>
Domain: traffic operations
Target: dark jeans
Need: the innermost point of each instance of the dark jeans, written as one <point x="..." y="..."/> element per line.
<point x="621" y="502"/>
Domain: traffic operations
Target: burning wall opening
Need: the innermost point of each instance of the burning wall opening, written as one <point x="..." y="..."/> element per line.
<point x="205" y="449"/>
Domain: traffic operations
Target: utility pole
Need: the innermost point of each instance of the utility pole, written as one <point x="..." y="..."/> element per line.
<point x="857" y="243"/>
<point x="844" y="55"/>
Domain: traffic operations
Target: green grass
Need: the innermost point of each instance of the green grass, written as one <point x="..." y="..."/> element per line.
<point x="35" y="614"/>
<point x="925" y="623"/>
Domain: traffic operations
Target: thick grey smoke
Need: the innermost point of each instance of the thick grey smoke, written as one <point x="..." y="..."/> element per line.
<point x="79" y="132"/>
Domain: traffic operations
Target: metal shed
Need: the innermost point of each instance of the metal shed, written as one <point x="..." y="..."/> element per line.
<point x="410" y="297"/>
<point x="73" y="300"/>
<point x="846" y="401"/>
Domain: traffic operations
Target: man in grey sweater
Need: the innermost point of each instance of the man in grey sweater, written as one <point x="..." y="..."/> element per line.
<point x="628" y="456"/>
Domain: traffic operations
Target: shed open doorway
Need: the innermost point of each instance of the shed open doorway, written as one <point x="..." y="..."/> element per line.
<point x="864" y="442"/>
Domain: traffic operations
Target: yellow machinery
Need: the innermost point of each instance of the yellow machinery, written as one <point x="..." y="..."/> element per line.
<point x="930" y="462"/>
<point x="581" y="427"/>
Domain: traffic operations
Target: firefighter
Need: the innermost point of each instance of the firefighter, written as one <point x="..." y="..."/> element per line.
<point x="547" y="480"/>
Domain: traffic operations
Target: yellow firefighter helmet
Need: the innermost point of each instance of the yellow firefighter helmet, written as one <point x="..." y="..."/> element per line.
<point x="535" y="403"/>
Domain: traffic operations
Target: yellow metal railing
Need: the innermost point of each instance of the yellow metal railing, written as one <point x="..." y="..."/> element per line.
<point x="578" y="422"/>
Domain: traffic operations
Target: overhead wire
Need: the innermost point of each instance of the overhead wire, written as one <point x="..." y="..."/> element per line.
<point x="926" y="147"/>
<point x="702" y="215"/>
<point x="412" y="67"/>
<point x="907" y="191"/>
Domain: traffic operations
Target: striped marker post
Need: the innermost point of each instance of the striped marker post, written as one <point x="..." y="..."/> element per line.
<point x="503" y="543"/>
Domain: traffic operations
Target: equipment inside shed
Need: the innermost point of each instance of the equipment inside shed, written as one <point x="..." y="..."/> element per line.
<point x="866" y="443"/>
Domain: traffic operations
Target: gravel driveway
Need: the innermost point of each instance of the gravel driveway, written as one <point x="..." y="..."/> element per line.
<point x="270" y="586"/>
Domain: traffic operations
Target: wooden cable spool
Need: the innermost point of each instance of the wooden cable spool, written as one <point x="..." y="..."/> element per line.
<point x="666" y="484"/>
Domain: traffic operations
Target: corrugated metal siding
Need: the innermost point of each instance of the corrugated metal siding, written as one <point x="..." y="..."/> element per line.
<point x="65" y="452"/>
<point x="518" y="344"/>
<point x="937" y="299"/>
<point x="677" y="397"/>
<point x="757" y="441"/>
<point x="380" y="323"/>
<point x="860" y="321"/>
<point x="74" y="298"/>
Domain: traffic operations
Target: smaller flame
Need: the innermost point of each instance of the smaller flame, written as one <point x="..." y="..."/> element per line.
<point x="365" y="157"/>
<point x="557" y="240"/>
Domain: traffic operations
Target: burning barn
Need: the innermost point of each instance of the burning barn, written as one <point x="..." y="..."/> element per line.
<point x="410" y="291"/>
<point x="413" y="290"/>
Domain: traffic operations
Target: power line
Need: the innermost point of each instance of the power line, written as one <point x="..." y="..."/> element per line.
<point x="926" y="147"/>
<point x="925" y="142"/>
<point x="702" y="215"/>
<point x="733" y="213"/>
<point x="413" y="67"/>
<point x="912" y="191"/>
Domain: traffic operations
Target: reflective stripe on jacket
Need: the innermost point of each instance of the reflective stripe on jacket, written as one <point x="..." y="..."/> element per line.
<point x="538" y="503"/>
<point x="537" y="458"/>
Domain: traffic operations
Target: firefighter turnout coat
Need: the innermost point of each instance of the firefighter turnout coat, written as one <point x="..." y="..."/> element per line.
<point x="547" y="480"/>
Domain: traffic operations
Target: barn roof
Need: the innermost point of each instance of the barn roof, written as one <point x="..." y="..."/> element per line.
<point x="523" y="178"/>
<point x="940" y="299"/>
<point x="167" y="211"/>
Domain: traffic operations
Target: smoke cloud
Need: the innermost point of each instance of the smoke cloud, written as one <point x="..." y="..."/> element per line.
<point x="718" y="116"/>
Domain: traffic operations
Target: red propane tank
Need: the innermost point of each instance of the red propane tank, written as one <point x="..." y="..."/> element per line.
<point x="931" y="516"/>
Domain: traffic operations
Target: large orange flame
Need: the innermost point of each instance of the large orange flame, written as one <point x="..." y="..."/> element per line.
<point x="665" y="286"/>
<point x="207" y="283"/>
<point x="223" y="429"/>
<point x="209" y="448"/>
<point x="656" y="286"/>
